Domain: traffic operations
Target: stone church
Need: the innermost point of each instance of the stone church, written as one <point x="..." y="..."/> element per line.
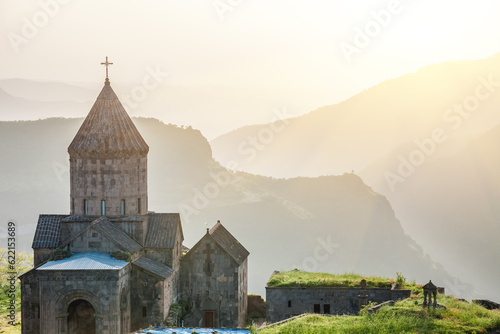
<point x="112" y="266"/>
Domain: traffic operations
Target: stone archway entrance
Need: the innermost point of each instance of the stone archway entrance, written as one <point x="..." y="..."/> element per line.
<point x="81" y="317"/>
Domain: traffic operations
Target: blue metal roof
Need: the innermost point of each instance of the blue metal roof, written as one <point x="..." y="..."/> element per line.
<point x="85" y="261"/>
<point x="193" y="330"/>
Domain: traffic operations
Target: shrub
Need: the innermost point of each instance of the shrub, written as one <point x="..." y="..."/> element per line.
<point x="121" y="255"/>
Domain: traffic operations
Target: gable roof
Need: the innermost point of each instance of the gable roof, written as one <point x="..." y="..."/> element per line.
<point x="85" y="261"/>
<point x="116" y="234"/>
<point x="225" y="240"/>
<point x="103" y="225"/>
<point x="154" y="267"/>
<point x="48" y="231"/>
<point x="163" y="229"/>
<point x="229" y="243"/>
<point x="107" y="130"/>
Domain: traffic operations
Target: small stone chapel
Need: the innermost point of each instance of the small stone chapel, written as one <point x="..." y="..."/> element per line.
<point x="111" y="266"/>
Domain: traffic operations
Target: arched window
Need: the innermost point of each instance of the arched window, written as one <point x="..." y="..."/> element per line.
<point x="85" y="207"/>
<point x="122" y="207"/>
<point x="103" y="208"/>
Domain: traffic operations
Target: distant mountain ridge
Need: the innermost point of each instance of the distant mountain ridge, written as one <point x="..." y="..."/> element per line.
<point x="355" y="133"/>
<point x="331" y="223"/>
<point x="428" y="141"/>
<point x="19" y="108"/>
<point x="46" y="91"/>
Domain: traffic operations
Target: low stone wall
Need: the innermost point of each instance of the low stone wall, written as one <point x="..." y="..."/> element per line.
<point x="256" y="307"/>
<point x="283" y="303"/>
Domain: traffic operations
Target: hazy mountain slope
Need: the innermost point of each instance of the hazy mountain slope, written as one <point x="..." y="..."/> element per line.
<point x="353" y="134"/>
<point x="46" y="91"/>
<point x="451" y="205"/>
<point x="333" y="223"/>
<point x="17" y="108"/>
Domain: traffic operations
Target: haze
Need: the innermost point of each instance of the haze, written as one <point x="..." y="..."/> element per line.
<point x="358" y="98"/>
<point x="246" y="57"/>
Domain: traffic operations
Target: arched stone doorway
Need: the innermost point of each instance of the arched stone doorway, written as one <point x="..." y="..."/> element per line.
<point x="81" y="317"/>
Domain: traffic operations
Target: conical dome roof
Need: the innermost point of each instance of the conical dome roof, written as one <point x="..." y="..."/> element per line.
<point x="107" y="130"/>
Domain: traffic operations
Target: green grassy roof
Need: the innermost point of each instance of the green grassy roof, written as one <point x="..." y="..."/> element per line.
<point x="297" y="278"/>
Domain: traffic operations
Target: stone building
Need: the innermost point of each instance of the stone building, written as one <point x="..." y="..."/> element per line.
<point x="110" y="265"/>
<point x="213" y="280"/>
<point x="286" y="302"/>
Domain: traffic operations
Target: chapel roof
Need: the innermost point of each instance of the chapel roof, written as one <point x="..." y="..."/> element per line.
<point x="229" y="243"/>
<point x="107" y="130"/>
<point x="154" y="267"/>
<point x="163" y="229"/>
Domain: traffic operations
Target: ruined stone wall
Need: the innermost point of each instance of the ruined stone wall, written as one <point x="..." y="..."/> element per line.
<point x="283" y="303"/>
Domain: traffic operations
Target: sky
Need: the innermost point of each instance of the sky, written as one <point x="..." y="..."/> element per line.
<point x="313" y="52"/>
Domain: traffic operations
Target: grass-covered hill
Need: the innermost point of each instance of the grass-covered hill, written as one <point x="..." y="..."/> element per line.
<point x="406" y="316"/>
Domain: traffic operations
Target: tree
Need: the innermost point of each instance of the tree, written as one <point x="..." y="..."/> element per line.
<point x="13" y="262"/>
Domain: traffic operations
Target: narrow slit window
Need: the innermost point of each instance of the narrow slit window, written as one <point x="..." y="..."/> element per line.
<point x="144" y="311"/>
<point x="85" y="207"/>
<point x="289" y="303"/>
<point x="139" y="205"/>
<point x="103" y="208"/>
<point x="122" y="207"/>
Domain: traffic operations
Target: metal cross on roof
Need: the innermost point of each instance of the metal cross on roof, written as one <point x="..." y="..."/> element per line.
<point x="106" y="64"/>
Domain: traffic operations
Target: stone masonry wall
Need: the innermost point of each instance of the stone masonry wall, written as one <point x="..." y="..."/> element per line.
<point x="243" y="292"/>
<point x="283" y="303"/>
<point x="111" y="180"/>
<point x="30" y="303"/>
<point x="147" y="299"/>
<point x="102" y="288"/>
<point x="93" y="241"/>
<point x="209" y="282"/>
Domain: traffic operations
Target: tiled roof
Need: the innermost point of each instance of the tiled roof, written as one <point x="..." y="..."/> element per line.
<point x="229" y="243"/>
<point x="107" y="130"/>
<point x="48" y="231"/>
<point x="163" y="229"/>
<point x="154" y="267"/>
<point x="85" y="261"/>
